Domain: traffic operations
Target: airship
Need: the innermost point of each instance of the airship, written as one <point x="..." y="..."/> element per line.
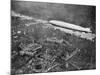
<point x="69" y="25"/>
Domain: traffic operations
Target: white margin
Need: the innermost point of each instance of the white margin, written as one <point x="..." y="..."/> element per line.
<point x="80" y="2"/>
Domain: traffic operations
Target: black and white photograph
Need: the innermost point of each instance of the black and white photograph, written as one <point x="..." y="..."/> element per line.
<point x="52" y="37"/>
